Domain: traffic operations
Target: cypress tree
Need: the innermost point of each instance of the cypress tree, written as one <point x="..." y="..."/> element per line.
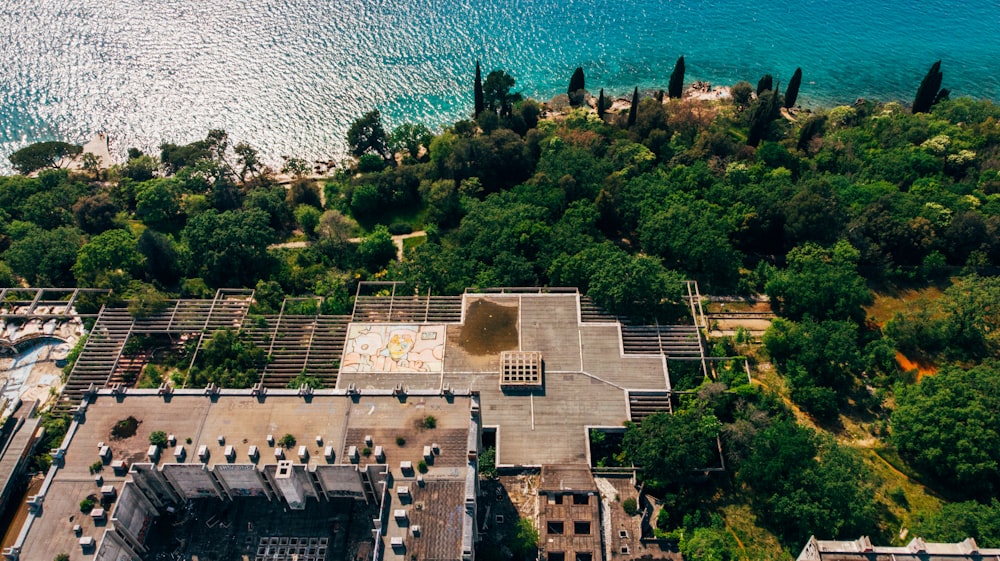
<point x="676" y="88"/>
<point x="810" y="129"/>
<point x="478" y="92"/>
<point x="930" y="91"/>
<point x="576" y="81"/>
<point x="765" y="110"/>
<point x="764" y="84"/>
<point x="942" y="95"/>
<point x="633" y="111"/>
<point x="600" y="104"/>
<point x="792" y="91"/>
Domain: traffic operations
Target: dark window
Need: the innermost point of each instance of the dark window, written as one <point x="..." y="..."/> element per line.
<point x="557" y="556"/>
<point x="554" y="528"/>
<point x="581" y="499"/>
<point x="584" y="556"/>
<point x="557" y="499"/>
<point x="581" y="528"/>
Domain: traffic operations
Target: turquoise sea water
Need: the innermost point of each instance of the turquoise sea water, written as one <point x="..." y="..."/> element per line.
<point x="288" y="76"/>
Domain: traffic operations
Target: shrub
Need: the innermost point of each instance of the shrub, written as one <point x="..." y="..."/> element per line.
<point x="488" y="463"/>
<point x="308" y="218"/>
<point x="61" y="557"/>
<point x="742" y="93"/>
<point x="366" y="451"/>
<point x="287" y="441"/>
<point x="96" y="467"/>
<point x="371" y="163"/>
<point x="898" y="496"/>
<point x="422" y="466"/>
<point x="631" y="506"/>
<point x="400" y="228"/>
<point x="158" y="438"/>
<point x="663" y="519"/>
<point x="305" y="379"/>
<point x="430" y="422"/>
<point x="400" y="441"/>
<point x="87" y="505"/>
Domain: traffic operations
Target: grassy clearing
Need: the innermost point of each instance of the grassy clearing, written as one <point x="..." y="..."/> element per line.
<point x="413" y="243"/>
<point x="903" y="497"/>
<point x="757" y="543"/>
<point x="887" y="304"/>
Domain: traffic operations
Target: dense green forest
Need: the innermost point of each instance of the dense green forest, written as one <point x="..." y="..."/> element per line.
<point x="833" y="214"/>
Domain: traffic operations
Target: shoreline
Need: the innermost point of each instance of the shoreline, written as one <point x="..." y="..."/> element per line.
<point x="699" y="90"/>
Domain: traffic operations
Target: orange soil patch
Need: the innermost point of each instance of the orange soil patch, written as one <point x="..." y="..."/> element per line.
<point x="923" y="369"/>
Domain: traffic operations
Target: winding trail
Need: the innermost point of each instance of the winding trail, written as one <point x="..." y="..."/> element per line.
<point x="397" y="240"/>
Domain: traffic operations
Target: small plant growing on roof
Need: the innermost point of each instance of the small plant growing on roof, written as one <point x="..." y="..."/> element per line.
<point x="366" y="451"/>
<point x="87" y="505"/>
<point x="158" y="438"/>
<point x="430" y="422"/>
<point x="422" y="466"/>
<point x="400" y="441"/>
<point x="630" y="506"/>
<point x="287" y="441"/>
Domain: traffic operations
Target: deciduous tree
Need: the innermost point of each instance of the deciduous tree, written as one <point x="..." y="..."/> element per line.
<point x="95" y="213"/>
<point x="801" y="482"/>
<point x="497" y="95"/>
<point x="409" y="138"/>
<point x="377" y="249"/>
<point x="43" y="155"/>
<point x="823" y="283"/>
<point x="113" y="250"/>
<point x="366" y="135"/>
<point x="229" y="248"/>
<point x="947" y="427"/>
<point x="671" y="447"/>
<point x="45" y="257"/>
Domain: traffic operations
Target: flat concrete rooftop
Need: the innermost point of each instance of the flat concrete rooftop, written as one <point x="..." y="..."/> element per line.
<point x="245" y="421"/>
<point x="586" y="380"/>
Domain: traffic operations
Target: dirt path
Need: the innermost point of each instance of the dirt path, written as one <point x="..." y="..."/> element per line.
<point x="397" y="240"/>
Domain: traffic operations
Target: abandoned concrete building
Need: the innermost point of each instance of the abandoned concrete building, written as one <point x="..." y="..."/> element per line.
<point x="917" y="550"/>
<point x="534" y="370"/>
<point x="358" y="472"/>
<point x="569" y="516"/>
<point x="382" y="462"/>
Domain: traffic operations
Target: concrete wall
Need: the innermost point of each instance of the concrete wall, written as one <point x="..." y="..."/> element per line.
<point x="154" y="485"/>
<point x="133" y="514"/>
<point x="192" y="481"/>
<point x="340" y="480"/>
<point x="114" y="548"/>
<point x="241" y="480"/>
